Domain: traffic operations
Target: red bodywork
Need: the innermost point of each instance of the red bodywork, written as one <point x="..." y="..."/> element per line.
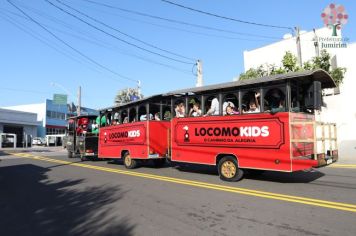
<point x="143" y="140"/>
<point x="258" y="141"/>
<point x="280" y="142"/>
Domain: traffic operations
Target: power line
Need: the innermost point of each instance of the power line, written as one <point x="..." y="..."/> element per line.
<point x="111" y="35"/>
<point x="227" y="18"/>
<point x="177" y="21"/>
<point x="96" y="42"/>
<point x="119" y="31"/>
<point x="68" y="45"/>
<point x="32" y="34"/>
<point x="188" y="31"/>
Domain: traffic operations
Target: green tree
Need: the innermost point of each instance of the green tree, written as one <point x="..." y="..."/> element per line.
<point x="289" y="64"/>
<point x="322" y="62"/>
<point x="127" y="95"/>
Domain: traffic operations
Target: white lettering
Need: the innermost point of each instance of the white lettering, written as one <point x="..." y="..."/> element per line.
<point x="245" y="131"/>
<point x="264" y="131"/>
<point x="134" y="134"/>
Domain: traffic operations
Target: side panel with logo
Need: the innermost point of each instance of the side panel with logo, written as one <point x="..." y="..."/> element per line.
<point x="257" y="140"/>
<point x="131" y="137"/>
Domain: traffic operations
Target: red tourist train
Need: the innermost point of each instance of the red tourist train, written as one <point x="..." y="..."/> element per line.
<point x="269" y="123"/>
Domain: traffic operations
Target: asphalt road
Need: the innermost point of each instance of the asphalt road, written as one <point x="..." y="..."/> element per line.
<point x="60" y="196"/>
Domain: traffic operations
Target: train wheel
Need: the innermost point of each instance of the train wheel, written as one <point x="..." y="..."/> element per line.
<point x="228" y="169"/>
<point x="129" y="162"/>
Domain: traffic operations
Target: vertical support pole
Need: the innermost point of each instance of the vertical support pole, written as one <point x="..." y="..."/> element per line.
<point x="186" y="105"/>
<point x="239" y="97"/>
<point x="161" y="110"/>
<point x="220" y="97"/>
<point x="202" y="104"/>
<point x="79" y="100"/>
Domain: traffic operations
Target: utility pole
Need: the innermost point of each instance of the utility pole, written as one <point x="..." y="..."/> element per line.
<point x="79" y="100"/>
<point x="316" y="43"/>
<point x="139" y="88"/>
<point x="199" y="73"/>
<point x="299" y="49"/>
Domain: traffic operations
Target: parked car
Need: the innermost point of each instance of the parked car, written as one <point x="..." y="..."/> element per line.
<point x="38" y="141"/>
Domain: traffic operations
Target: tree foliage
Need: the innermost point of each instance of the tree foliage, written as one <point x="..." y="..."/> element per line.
<point x="289" y="64"/>
<point x="127" y="95"/>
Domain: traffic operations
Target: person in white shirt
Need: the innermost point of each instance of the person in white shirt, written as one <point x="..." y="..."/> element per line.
<point x="180" y="110"/>
<point x="195" y="110"/>
<point x="214" y="108"/>
<point x="254" y="105"/>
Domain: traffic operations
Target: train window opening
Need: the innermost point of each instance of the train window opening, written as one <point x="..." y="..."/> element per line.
<point x="251" y="101"/>
<point x="179" y="108"/>
<point x="275" y="99"/>
<point x="155" y="111"/>
<point x="212" y="106"/>
<point x="117" y="117"/>
<point x="166" y="110"/>
<point x="194" y="107"/>
<point x="132" y="115"/>
<point x="230" y="104"/>
<point x="142" y="113"/>
<point x="124" y="117"/>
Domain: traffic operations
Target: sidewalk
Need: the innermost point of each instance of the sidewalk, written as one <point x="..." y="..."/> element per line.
<point x="32" y="149"/>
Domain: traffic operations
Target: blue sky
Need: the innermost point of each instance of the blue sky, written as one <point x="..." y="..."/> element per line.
<point x="29" y="66"/>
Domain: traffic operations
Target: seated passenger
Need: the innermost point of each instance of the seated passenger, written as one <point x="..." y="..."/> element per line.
<point x="144" y="117"/>
<point x="167" y="115"/>
<point x="195" y="110"/>
<point x="180" y="110"/>
<point x="230" y="109"/>
<point x="254" y="105"/>
<point x="214" y="108"/>
<point x="126" y="120"/>
<point x="95" y="127"/>
<point x="157" y="115"/>
<point x="276" y="101"/>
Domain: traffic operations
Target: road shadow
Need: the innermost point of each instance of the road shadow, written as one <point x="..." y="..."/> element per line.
<point x="307" y="176"/>
<point x="31" y="204"/>
<point x="195" y="168"/>
<point x="270" y="176"/>
<point x="141" y="164"/>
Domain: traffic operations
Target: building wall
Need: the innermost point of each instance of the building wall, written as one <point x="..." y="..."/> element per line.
<point x="25" y="120"/>
<point x="51" y="117"/>
<point x="40" y="110"/>
<point x="340" y="108"/>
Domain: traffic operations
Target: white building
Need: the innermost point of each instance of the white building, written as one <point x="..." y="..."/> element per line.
<point x="22" y="124"/>
<point x="340" y="108"/>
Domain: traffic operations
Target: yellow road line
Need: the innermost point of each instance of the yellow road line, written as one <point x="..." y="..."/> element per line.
<point x="346" y="166"/>
<point x="244" y="191"/>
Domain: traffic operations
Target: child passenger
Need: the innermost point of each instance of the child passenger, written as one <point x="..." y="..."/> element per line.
<point x="230" y="110"/>
<point x="195" y="110"/>
<point x="180" y="110"/>
<point x="254" y="105"/>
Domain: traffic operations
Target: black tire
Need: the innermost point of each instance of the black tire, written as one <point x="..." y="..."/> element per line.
<point x="229" y="170"/>
<point x="129" y="163"/>
<point x="159" y="162"/>
<point x="70" y="154"/>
